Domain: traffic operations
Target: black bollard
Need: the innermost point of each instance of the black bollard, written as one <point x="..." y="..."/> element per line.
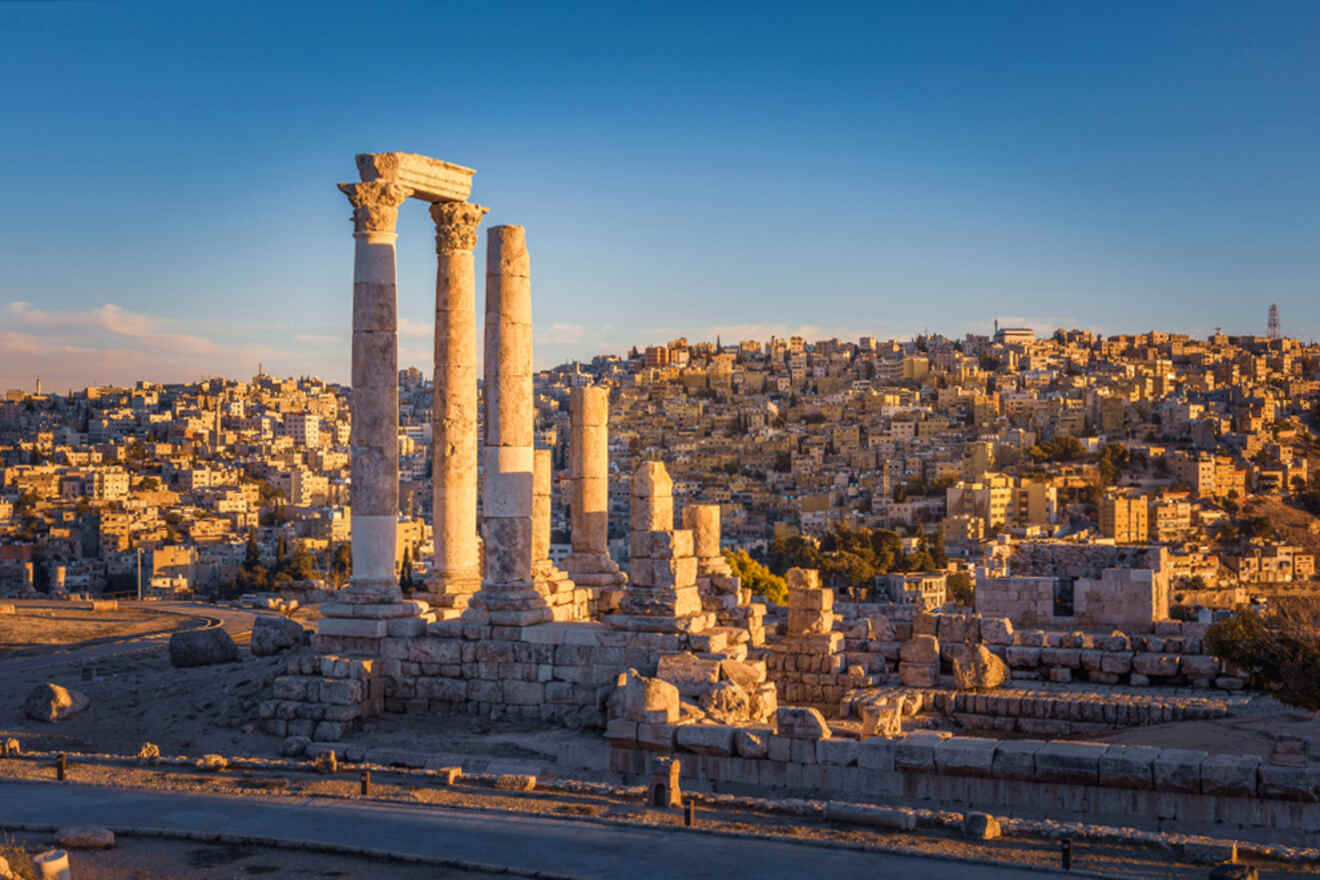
<point x="61" y="765"/>
<point x="1065" y="854"/>
<point x="690" y="814"/>
<point x="366" y="783"/>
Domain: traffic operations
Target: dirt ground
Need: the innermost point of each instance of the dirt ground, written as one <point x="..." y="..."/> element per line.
<point x="32" y="628"/>
<point x="135" y="858"/>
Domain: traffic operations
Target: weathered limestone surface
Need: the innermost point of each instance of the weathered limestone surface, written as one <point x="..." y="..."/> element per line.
<point x="375" y="398"/>
<point x="457" y="568"/>
<point x="589" y="473"/>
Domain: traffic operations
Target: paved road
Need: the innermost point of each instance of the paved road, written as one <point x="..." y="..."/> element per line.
<point x="523" y="844"/>
<point x="235" y="621"/>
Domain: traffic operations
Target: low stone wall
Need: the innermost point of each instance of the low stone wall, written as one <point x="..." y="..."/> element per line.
<point x="1193" y="791"/>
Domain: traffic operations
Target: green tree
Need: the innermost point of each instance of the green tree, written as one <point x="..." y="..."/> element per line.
<point x="961" y="589"/>
<point x="756" y="577"/>
<point x="1279" y="649"/>
<point x="406" y="571"/>
<point x="341" y="563"/>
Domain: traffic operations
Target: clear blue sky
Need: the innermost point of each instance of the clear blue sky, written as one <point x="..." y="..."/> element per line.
<point x="681" y="168"/>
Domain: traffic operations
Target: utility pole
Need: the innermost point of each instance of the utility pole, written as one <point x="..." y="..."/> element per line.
<point x="139" y="573"/>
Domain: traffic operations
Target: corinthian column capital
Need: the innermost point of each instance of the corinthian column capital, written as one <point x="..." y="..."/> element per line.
<point x="375" y="204"/>
<point x="456" y="225"/>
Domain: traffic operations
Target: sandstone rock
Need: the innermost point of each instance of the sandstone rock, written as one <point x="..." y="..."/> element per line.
<point x="801" y="723"/>
<point x="5" y="872"/>
<point x="294" y="746"/>
<point x="85" y="837"/>
<point x="11" y="748"/>
<point x="726" y="703"/>
<point x="202" y="647"/>
<point x="212" y="762"/>
<point x="643" y="699"/>
<point x="515" y="782"/>
<point x="692" y="675"/>
<point x="919" y="675"/>
<point x="922" y="649"/>
<point x="1117" y="641"/>
<point x="881" y="720"/>
<point x="997" y="630"/>
<point x="977" y="669"/>
<point x="764" y="701"/>
<point x="148" y="752"/>
<point x="981" y="826"/>
<point x="50" y="702"/>
<point x="749" y="745"/>
<point x="270" y="635"/>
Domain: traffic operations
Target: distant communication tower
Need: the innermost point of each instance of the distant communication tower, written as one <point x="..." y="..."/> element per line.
<point x="1272" y="323"/>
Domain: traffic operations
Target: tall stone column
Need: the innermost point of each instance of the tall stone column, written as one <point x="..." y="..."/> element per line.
<point x="542" y="488"/>
<point x="589" y="471"/>
<point x="457" y="567"/>
<point x="375" y="399"/>
<point x="508" y="595"/>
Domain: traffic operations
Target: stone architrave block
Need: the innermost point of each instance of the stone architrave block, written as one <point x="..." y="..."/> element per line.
<point x="1199" y="666"/>
<point x="1076" y="762"/>
<point x="1179" y="770"/>
<point x="966" y="756"/>
<point x="1230" y="775"/>
<point x="1128" y="766"/>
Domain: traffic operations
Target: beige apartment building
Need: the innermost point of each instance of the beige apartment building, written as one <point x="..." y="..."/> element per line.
<point x="1124" y="517"/>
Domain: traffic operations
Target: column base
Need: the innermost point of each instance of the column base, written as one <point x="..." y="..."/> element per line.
<point x="370" y="591"/>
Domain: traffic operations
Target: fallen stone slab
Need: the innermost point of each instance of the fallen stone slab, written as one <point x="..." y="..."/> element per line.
<point x="270" y="635"/>
<point x="85" y="837"/>
<point x="202" y="647"/>
<point x="51" y="703"/>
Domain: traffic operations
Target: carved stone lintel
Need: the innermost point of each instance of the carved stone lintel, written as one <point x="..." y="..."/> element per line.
<point x="375" y="204"/>
<point x="456" y="225"/>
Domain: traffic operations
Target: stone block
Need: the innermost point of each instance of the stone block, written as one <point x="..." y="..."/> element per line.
<point x="997" y="630"/>
<point x="1075" y="762"/>
<point x="1022" y="657"/>
<point x="1230" y="775"/>
<point x="692" y="675"/>
<point x="1116" y="664"/>
<point x="1155" y="665"/>
<point x="966" y="756"/>
<point x="1288" y="783"/>
<point x="750" y="744"/>
<point x="358" y="628"/>
<point x="918" y="675"/>
<point x="837" y="752"/>
<point x="801" y="723"/>
<point x="922" y="649"/>
<point x="1179" y="770"/>
<point x="916" y="751"/>
<point x="1128" y="766"/>
<point x="706" y="739"/>
<point x="656" y="737"/>
<point x="877" y="754"/>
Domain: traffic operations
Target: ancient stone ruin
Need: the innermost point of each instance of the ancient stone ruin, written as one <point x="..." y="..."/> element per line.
<point x="674" y="659"/>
